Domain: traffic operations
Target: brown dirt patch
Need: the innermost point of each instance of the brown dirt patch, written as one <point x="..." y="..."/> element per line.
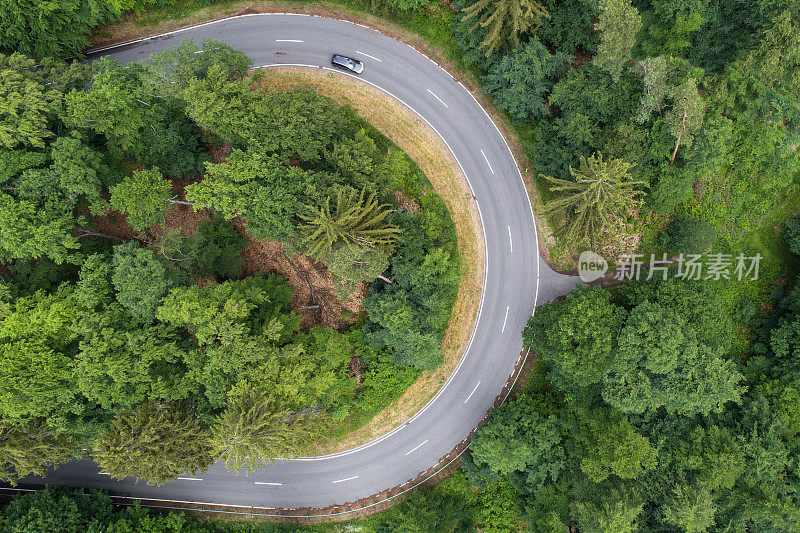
<point x="257" y="256"/>
<point x="410" y="134"/>
<point x="268" y="256"/>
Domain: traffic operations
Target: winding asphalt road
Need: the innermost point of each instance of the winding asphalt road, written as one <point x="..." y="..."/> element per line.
<point x="516" y="278"/>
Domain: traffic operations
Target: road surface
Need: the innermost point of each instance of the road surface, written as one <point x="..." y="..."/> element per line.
<point x="516" y="278"/>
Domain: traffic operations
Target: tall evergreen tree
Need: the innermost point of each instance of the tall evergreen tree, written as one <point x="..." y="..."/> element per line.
<point x="619" y="24"/>
<point x="602" y="194"/>
<point x="154" y="442"/>
<point x="254" y="431"/>
<point x="355" y="219"/>
<point x="506" y="21"/>
<point x="30" y="448"/>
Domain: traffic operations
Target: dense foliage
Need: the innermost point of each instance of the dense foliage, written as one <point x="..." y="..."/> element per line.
<point x="146" y="349"/>
<point x="655" y="406"/>
<point x="708" y="122"/>
<point x="636" y="419"/>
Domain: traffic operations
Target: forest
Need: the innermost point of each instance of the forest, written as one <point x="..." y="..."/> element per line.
<point x="131" y="332"/>
<point x="654" y="127"/>
<point x="664" y="128"/>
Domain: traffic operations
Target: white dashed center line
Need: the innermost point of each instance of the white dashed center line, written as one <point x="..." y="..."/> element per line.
<point x="473" y="392"/>
<point x="417" y="448"/>
<point x="487" y="161"/>
<point x="369" y="56"/>
<point x="104" y="473"/>
<point x="510" y="242"/>
<point x="268" y="483"/>
<point x="345" y="479"/>
<point x="440" y="100"/>
<point x="504" y="321"/>
<point x="288" y="41"/>
<point x="190" y="478"/>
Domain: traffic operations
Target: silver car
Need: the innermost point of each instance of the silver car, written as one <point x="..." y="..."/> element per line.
<point x="347" y="63"/>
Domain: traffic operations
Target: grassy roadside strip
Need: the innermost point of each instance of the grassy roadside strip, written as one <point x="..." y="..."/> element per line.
<point x="427" y="32"/>
<point x="412" y="136"/>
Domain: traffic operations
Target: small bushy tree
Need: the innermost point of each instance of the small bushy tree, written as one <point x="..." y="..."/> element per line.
<point x="687" y="236"/>
<point x="141" y="279"/>
<point x="142" y="197"/>
<point x="521" y="80"/>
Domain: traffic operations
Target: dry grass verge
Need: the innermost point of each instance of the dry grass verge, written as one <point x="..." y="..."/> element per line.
<point x="412" y="136"/>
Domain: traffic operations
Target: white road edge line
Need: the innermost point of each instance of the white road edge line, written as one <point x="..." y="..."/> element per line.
<point x="268" y="483"/>
<point x="345" y="479"/>
<point x="288" y="65"/>
<point x="104" y="473"/>
<point x="487" y="161"/>
<point x="440" y="100"/>
<point x="504" y="321"/>
<point x="486" y="254"/>
<point x="190" y="478"/>
<point x="473" y="392"/>
<point x="288" y="41"/>
<point x="369" y="56"/>
<point x="510" y="242"/>
<point x="485" y="271"/>
<point x="417" y="448"/>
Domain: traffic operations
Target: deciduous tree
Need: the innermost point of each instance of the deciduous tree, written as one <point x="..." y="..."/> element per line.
<point x="142" y="197"/>
<point x="576" y="336"/>
<point x="685" y="117"/>
<point x="257" y="187"/>
<point x="519" y="441"/>
<point x="140" y="279"/>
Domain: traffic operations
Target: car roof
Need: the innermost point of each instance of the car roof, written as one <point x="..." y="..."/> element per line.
<point x="339" y="57"/>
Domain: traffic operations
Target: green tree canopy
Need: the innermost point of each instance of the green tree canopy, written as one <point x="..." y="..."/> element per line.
<point x="505" y="21"/>
<point x="600" y="197"/>
<point x="519" y="440"/>
<point x="30" y="448"/>
<point x="520" y="81"/>
<point x="659" y="362"/>
<point x="613" y="446"/>
<point x="576" y="337"/>
<point x="355" y="219"/>
<point x="259" y="188"/>
<point x="26" y="104"/>
<point x="55" y="28"/>
<point x="619" y="24"/>
<point x="58" y="510"/>
<point x="252" y="432"/>
<point x="141" y="279"/>
<point x="154" y="442"/>
<point x="142" y="198"/>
